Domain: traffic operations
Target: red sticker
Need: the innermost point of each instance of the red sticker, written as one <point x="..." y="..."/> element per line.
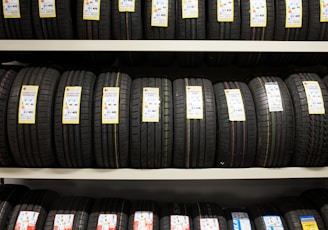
<point x="26" y="220"/>
<point x="143" y="221"/>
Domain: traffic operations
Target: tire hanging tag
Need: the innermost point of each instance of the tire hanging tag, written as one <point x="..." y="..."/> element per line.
<point x="126" y="6"/>
<point x="273" y="223"/>
<point x="240" y="221"/>
<point x="189" y="8"/>
<point x="91" y="10"/>
<point x="258" y="13"/>
<point x="110" y="105"/>
<point x="314" y="97"/>
<point x="71" y="105"/>
<point x="235" y="103"/>
<point x="63" y="221"/>
<point x="143" y="220"/>
<point x="324" y="11"/>
<point x="294" y="11"/>
<point x="47" y="8"/>
<point x="209" y="224"/>
<point x="225" y="10"/>
<point x="308" y="223"/>
<point x="274" y="97"/>
<point x="160" y="13"/>
<point x="11" y="9"/>
<point x="107" y="222"/>
<point x="195" y="102"/>
<point x="26" y="220"/>
<point x="150" y="105"/>
<point x="27" y="104"/>
<point x="179" y="222"/>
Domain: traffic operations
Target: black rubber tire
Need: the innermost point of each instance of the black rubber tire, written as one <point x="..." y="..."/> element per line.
<point x="208" y="211"/>
<point x="228" y="212"/>
<point x="194" y="140"/>
<point x="276" y="130"/>
<point x="151" y="142"/>
<point x="318" y="31"/>
<point x="118" y="207"/>
<point x="74" y="143"/>
<point x="172" y="209"/>
<point x="236" y="140"/>
<point x="32" y="144"/>
<point x="311" y="139"/>
<point x="144" y="206"/>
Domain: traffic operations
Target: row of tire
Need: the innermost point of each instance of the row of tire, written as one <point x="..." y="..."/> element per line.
<point x="22" y="208"/>
<point x="289" y="136"/>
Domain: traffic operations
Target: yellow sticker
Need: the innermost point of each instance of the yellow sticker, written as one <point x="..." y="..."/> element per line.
<point x="294" y="12"/>
<point x="91" y="10"/>
<point x="150" y="105"/>
<point x="11" y="9"/>
<point x="225" y="10"/>
<point x="47" y="8"/>
<point x="323" y="10"/>
<point x="110" y="105"/>
<point x="189" y="9"/>
<point x="195" y="104"/>
<point x="71" y="105"/>
<point x="314" y="97"/>
<point x="126" y="5"/>
<point x="27" y="104"/>
<point x="308" y="223"/>
<point x="160" y="13"/>
<point x="235" y="103"/>
<point x="258" y="13"/>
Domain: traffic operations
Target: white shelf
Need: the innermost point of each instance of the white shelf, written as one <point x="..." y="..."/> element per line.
<point x="164" y="174"/>
<point x="163" y="45"/>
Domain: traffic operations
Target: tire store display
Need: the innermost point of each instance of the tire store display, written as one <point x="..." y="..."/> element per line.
<point x="318" y="198"/>
<point x="30" y="117"/>
<point x="151" y="123"/>
<point x="238" y="217"/>
<point x="207" y="215"/>
<point x="275" y="122"/>
<point x="310" y="99"/>
<point x="144" y="215"/>
<point x="111" y="124"/>
<point x="236" y="129"/>
<point x="175" y="215"/>
<point x="194" y="123"/>
<point x="73" y="119"/>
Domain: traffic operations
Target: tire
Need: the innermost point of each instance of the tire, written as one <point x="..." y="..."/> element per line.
<point x="236" y="140"/>
<point x="151" y="142"/>
<point x="32" y="144"/>
<point x="117" y="207"/>
<point x="194" y="139"/>
<point x="318" y="31"/>
<point x="144" y="206"/>
<point x="208" y="212"/>
<point x="74" y="142"/>
<point x="111" y="141"/>
<point x="276" y="129"/>
<point x="239" y="212"/>
<point x="174" y="209"/>
<point x="311" y="146"/>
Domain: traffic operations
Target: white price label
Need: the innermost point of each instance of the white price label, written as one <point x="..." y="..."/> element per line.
<point x="47" y="8"/>
<point x="178" y="222"/>
<point x="110" y="105"/>
<point x="314" y="97"/>
<point x="235" y="103"/>
<point x="91" y="10"/>
<point x="143" y="220"/>
<point x="71" y="105"/>
<point x="323" y="10"/>
<point x="195" y="104"/>
<point x="240" y="221"/>
<point x="26" y="220"/>
<point x="258" y="14"/>
<point x="294" y="11"/>
<point x="160" y="13"/>
<point x="27" y="104"/>
<point x="126" y="5"/>
<point x="274" y="97"/>
<point x="225" y="10"/>
<point x="63" y="221"/>
<point x="11" y="9"/>
<point x="273" y="223"/>
<point x="189" y="8"/>
<point x="107" y="222"/>
<point x="150" y="105"/>
<point x="209" y="224"/>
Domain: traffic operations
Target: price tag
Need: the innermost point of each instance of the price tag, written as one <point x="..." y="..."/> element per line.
<point x="240" y="221"/>
<point x="71" y="105"/>
<point x="273" y="223"/>
<point x="179" y="222"/>
<point x="195" y="102"/>
<point x="26" y="220"/>
<point x="150" y="105"/>
<point x="189" y="8"/>
<point x="47" y="8"/>
<point x="27" y="104"/>
<point x="11" y="9"/>
<point x="63" y="221"/>
<point x="143" y="221"/>
<point x="160" y="13"/>
<point x="314" y="97"/>
<point x="258" y="13"/>
<point x="91" y="10"/>
<point x="308" y="223"/>
<point x="209" y="224"/>
<point x="324" y="11"/>
<point x="294" y="14"/>
<point x="126" y="5"/>
<point x="107" y="222"/>
<point x="235" y="105"/>
<point x="274" y="96"/>
<point x="225" y="10"/>
<point x="110" y="105"/>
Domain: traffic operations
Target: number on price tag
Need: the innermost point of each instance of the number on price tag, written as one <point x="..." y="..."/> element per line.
<point x="126" y="5"/>
<point x="240" y="221"/>
<point x="110" y="105"/>
<point x="150" y="105"/>
<point x="195" y="102"/>
<point x="47" y="8"/>
<point x="27" y="104"/>
<point x="294" y="11"/>
<point x="159" y="13"/>
<point x="235" y="103"/>
<point x="11" y="9"/>
<point x="258" y="14"/>
<point x="314" y="97"/>
<point x="189" y="8"/>
<point x="71" y="105"/>
<point x="225" y="10"/>
<point x="91" y="10"/>
<point x="274" y="97"/>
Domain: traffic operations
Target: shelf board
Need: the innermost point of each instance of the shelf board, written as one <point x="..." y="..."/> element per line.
<point x="163" y="45"/>
<point x="164" y="174"/>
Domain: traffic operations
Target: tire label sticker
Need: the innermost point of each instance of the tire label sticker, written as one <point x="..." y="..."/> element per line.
<point x="150" y="105"/>
<point x="91" y="10"/>
<point x="314" y="97"/>
<point x="110" y="105"/>
<point x="178" y="222"/>
<point x="160" y="13"/>
<point x="143" y="220"/>
<point x="189" y="8"/>
<point x="324" y="11"/>
<point x="225" y="10"/>
<point x="126" y="5"/>
<point x="107" y="222"/>
<point x="235" y="103"/>
<point x="240" y="221"/>
<point x="274" y="96"/>
<point x="258" y="14"/>
<point x="195" y="102"/>
<point x="209" y="224"/>
<point x="273" y="223"/>
<point x="47" y="8"/>
<point x="63" y="221"/>
<point x="11" y="9"/>
<point x="308" y="223"/>
<point x="26" y="220"/>
<point x="27" y="104"/>
<point x="293" y="14"/>
<point x="71" y="105"/>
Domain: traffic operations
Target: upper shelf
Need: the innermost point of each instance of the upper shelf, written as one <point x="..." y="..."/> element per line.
<point x="163" y="45"/>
